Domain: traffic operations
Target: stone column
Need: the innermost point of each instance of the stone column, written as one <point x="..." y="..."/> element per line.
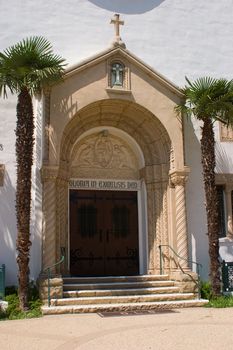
<point x="178" y="179"/>
<point x="46" y="118"/>
<point x="62" y="222"/>
<point x="152" y="217"/>
<point x="157" y="225"/>
<point x="49" y="178"/>
<point x="228" y="191"/>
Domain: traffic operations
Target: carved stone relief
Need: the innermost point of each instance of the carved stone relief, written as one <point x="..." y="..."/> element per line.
<point x="104" y="153"/>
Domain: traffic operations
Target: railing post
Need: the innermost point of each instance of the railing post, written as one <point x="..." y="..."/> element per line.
<point x="161" y="259"/>
<point x="49" y="298"/>
<point x="48" y="269"/>
<point x="199" y="282"/>
<point x="2" y="282"/>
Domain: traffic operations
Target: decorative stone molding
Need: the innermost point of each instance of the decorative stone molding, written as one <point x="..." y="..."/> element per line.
<point x="2" y="174"/>
<point x="226" y="133"/>
<point x="178" y="180"/>
<point x="49" y="173"/>
<point x="172" y="159"/>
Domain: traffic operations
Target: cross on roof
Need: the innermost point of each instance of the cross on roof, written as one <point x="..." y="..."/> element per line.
<point x="117" y="22"/>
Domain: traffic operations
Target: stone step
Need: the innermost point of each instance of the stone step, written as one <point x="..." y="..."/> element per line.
<point x="69" y="309"/>
<point x="121" y="299"/>
<point x="114" y="279"/>
<point x="118" y="292"/>
<point x="116" y="285"/>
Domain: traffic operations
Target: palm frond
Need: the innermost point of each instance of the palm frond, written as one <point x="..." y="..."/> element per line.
<point x="208" y="97"/>
<point x="29" y="63"/>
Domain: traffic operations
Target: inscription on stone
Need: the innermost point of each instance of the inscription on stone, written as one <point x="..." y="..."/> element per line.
<point x="99" y="184"/>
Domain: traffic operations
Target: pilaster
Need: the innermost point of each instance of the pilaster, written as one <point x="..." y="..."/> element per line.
<point x="46" y="113"/>
<point x="49" y="205"/>
<point x="177" y="181"/>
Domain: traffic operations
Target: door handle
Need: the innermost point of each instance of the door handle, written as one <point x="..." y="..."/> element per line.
<point x="107" y="236"/>
<point x="100" y="235"/>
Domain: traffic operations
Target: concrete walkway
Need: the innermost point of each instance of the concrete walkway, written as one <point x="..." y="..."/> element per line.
<point x="183" y="329"/>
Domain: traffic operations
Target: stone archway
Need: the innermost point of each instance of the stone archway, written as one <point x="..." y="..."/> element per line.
<point x="149" y="150"/>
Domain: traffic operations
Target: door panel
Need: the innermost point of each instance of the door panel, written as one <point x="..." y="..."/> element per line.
<point x="86" y="248"/>
<point x="122" y="233"/>
<point x="103" y="233"/>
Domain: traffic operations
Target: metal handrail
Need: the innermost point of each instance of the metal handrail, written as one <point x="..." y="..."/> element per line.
<point x="48" y="269"/>
<point x="198" y="283"/>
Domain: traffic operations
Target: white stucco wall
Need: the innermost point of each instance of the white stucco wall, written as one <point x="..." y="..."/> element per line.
<point x="177" y="38"/>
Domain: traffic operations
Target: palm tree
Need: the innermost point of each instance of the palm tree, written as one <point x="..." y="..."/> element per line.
<point x="24" y="69"/>
<point x="209" y="100"/>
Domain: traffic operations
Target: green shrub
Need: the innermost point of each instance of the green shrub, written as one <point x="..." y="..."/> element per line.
<point x="206" y="290"/>
<point x="13" y="311"/>
<point x="221" y="302"/>
<point x="2" y="314"/>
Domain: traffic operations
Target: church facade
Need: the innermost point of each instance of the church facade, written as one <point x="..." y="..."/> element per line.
<point x="117" y="172"/>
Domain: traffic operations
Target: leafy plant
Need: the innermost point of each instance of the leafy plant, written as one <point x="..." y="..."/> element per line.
<point x="209" y="100"/>
<point x="25" y="69"/>
<point x="221" y="302"/>
<point x="206" y="290"/>
<point x="14" y="312"/>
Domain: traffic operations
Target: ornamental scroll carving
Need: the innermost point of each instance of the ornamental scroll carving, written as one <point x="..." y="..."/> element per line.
<point x="178" y="180"/>
<point x="104" y="151"/>
<point x="172" y="159"/>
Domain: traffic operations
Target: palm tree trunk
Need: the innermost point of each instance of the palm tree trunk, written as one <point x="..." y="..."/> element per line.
<point x="208" y="163"/>
<point x="24" y="155"/>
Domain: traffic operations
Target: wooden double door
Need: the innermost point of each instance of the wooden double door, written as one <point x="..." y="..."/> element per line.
<point x="103" y="233"/>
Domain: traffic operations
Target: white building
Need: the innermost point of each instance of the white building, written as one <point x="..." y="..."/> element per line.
<point x="165" y="38"/>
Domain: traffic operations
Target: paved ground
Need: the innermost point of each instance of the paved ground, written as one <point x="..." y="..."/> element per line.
<point x="184" y="329"/>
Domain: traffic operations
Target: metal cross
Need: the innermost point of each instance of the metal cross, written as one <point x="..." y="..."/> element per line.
<point x="117" y="22"/>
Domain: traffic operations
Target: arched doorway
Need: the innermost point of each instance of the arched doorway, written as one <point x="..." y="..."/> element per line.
<point x="116" y="142"/>
<point x="106" y="233"/>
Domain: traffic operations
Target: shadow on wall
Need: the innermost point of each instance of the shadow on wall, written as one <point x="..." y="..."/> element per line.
<point x="196" y="214"/>
<point x="224" y="162"/>
<point x="8" y="230"/>
<point x="128" y="7"/>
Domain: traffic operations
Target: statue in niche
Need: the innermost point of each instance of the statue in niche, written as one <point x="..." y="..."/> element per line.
<point x="117" y="74"/>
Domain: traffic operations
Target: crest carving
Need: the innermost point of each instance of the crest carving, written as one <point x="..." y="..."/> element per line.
<point x="104" y="151"/>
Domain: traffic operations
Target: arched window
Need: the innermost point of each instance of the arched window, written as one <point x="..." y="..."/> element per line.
<point x="117" y="74"/>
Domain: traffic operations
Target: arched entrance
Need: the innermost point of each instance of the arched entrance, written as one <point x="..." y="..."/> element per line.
<point x="110" y="143"/>
<point x="106" y="233"/>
